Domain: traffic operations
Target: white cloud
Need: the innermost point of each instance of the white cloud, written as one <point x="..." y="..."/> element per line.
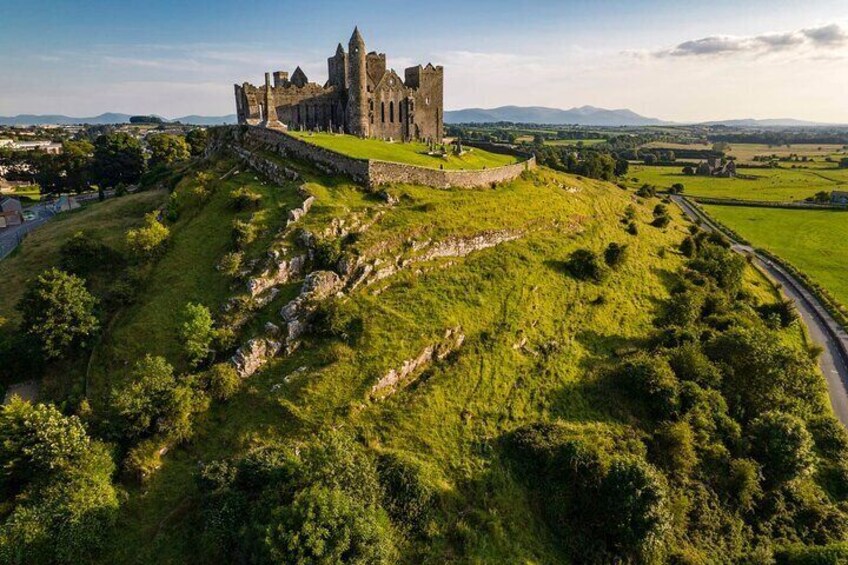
<point x="806" y="40"/>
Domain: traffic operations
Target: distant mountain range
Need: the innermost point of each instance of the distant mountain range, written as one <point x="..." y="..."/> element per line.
<point x="592" y="116"/>
<point x="108" y="118"/>
<point x="583" y="116"/>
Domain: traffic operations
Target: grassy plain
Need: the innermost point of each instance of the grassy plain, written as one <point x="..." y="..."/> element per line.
<point x="412" y="153"/>
<point x="814" y="241"/>
<point x="778" y="185"/>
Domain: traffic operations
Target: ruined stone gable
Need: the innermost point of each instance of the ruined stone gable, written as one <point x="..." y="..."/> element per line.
<point x="362" y="97"/>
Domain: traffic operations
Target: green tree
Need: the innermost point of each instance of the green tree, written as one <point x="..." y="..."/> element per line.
<point x="167" y="149"/>
<point x="782" y="445"/>
<point x="58" y="311"/>
<point x="651" y="379"/>
<point x="118" y="159"/>
<point x="149" y="238"/>
<point x="584" y="264"/>
<point x="61" y="503"/>
<point x="153" y="402"/>
<point x="622" y="166"/>
<point x="634" y="509"/>
<point x="197" y="140"/>
<point x="77" y="157"/>
<point x="197" y="333"/>
<point x="327" y="525"/>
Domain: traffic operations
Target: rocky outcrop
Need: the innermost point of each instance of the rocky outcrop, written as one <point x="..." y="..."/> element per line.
<point x="318" y="286"/>
<point x="253" y="354"/>
<point x="297" y="213"/>
<point x="281" y="272"/>
<point x="451" y="341"/>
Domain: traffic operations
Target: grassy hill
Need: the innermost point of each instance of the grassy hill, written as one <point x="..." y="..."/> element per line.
<point x="541" y="346"/>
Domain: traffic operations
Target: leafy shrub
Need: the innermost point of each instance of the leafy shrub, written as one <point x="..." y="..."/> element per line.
<point x="584" y="264"/>
<point x="646" y="191"/>
<point x="244" y="233"/>
<point x="327" y="525"/>
<point x="197" y="333"/>
<point x="148" y="239"/>
<point x="783" y="313"/>
<point x="652" y="380"/>
<point x="408" y="499"/>
<point x="230" y="263"/>
<point x="674" y="448"/>
<point x="661" y="221"/>
<point x="660" y="210"/>
<point x="154" y="402"/>
<point x="82" y="254"/>
<point x="615" y="255"/>
<point x="689" y="363"/>
<point x="782" y="444"/>
<point x="222" y="381"/>
<point x="58" y="312"/>
<point x="632" y="228"/>
<point x="743" y="482"/>
<point x="244" y="198"/>
<point x="688" y="247"/>
<point x="683" y="308"/>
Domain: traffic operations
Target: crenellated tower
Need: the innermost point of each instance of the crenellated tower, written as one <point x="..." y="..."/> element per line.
<point x="362" y="96"/>
<point x="357" y="109"/>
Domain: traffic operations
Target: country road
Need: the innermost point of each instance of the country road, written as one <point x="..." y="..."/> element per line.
<point x="823" y="329"/>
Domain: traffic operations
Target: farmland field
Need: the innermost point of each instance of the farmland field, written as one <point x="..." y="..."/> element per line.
<point x="814" y="241"/>
<point x="778" y="185"/>
<point x="586" y="142"/>
<point x="745" y="152"/>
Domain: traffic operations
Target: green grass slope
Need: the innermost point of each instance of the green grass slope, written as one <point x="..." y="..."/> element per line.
<point x="535" y="342"/>
<point x="107" y="221"/>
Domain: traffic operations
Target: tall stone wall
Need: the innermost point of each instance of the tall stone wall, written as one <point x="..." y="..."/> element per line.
<point x="375" y="173"/>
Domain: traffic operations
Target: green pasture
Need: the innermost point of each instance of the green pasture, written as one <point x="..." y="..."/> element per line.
<point x="777" y="185"/>
<point x="411" y="153"/>
<point x="814" y="241"/>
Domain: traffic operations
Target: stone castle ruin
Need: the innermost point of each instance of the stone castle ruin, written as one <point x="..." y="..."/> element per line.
<point x="361" y="97"/>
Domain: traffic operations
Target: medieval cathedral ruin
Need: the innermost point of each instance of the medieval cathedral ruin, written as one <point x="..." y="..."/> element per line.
<point x="360" y="98"/>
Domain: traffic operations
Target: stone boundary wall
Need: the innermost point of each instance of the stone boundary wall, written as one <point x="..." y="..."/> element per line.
<point x="384" y="172"/>
<point x="374" y="173"/>
<point x="284" y="144"/>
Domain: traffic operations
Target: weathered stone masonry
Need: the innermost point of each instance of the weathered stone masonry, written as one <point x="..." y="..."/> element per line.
<point x="361" y="97"/>
<point x="373" y="173"/>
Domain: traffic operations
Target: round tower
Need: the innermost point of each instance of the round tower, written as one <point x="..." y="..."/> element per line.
<point x="357" y="98"/>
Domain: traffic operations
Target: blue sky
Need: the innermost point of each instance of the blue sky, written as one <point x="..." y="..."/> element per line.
<point x="675" y="60"/>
